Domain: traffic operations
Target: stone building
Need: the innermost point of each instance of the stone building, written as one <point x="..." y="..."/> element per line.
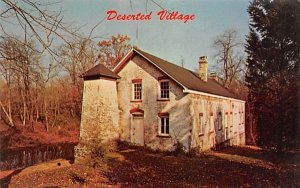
<point x="150" y="102"/>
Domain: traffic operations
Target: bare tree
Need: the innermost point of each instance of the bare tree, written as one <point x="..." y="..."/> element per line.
<point x="39" y="19"/>
<point x="228" y="56"/>
<point x="21" y="67"/>
<point x="76" y="57"/>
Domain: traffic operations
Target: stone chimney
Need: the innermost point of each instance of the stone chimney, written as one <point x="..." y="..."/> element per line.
<point x="213" y="75"/>
<point x="203" y="68"/>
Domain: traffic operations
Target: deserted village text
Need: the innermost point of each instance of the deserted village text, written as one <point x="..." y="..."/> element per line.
<point x="162" y="15"/>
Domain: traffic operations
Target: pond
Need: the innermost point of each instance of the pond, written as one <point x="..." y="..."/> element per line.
<point x="27" y="156"/>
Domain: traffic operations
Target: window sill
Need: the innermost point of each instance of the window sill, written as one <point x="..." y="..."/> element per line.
<point x="163" y="136"/>
<point x="201" y="134"/>
<point x="135" y="100"/>
<point x="163" y="100"/>
<point x="211" y="132"/>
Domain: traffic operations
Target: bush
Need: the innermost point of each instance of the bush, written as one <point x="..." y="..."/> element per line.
<point x="193" y="152"/>
<point x="97" y="153"/>
<point x="179" y="149"/>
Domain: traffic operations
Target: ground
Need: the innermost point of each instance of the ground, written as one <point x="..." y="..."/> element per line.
<point x="134" y="167"/>
<point x="34" y="136"/>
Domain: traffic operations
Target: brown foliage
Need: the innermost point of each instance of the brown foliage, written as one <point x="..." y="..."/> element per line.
<point x="113" y="50"/>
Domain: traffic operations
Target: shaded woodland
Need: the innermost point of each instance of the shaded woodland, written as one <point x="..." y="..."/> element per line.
<point x="272" y="75"/>
<point x="40" y="70"/>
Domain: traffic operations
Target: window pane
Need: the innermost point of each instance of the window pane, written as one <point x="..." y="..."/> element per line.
<point x="137" y="91"/>
<point x="164" y="89"/>
<point x="162" y="125"/>
<point x="167" y="125"/>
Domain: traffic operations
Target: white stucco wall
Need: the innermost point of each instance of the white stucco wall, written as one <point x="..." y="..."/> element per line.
<point x="178" y="106"/>
<point x="99" y="119"/>
<point x="229" y="113"/>
<point x="183" y="111"/>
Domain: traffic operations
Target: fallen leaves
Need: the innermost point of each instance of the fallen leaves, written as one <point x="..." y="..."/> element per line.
<point x="139" y="168"/>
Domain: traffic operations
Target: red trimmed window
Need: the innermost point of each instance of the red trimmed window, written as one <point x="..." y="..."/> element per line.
<point x="137" y="89"/>
<point x="200" y="124"/>
<point x="164" y="89"/>
<point x="164" y="124"/>
<point x="136" y="110"/>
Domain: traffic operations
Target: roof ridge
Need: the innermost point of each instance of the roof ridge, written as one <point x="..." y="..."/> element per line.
<point x="99" y="70"/>
<point x="162" y="59"/>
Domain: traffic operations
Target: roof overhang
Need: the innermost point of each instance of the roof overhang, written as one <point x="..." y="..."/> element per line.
<point x="211" y="95"/>
<point x="96" y="77"/>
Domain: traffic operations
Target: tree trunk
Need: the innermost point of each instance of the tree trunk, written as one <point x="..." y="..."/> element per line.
<point x="9" y="120"/>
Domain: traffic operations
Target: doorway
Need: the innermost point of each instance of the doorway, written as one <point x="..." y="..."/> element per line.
<point x="137" y="129"/>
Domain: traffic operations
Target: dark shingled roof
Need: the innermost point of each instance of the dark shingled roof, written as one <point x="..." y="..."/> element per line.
<point x="187" y="78"/>
<point x="99" y="71"/>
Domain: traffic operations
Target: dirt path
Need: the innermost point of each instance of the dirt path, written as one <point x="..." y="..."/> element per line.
<point x="244" y="160"/>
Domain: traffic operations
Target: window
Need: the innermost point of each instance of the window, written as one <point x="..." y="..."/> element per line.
<point x="226" y="120"/>
<point x="226" y="133"/>
<point x="137" y="89"/>
<point x="200" y="124"/>
<point x="242" y="118"/>
<point x="220" y="120"/>
<point x="211" y="122"/>
<point x="164" y="125"/>
<point x="164" y="89"/>
<point x="230" y="119"/>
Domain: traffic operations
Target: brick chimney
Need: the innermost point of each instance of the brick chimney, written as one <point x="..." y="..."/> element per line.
<point x="203" y="68"/>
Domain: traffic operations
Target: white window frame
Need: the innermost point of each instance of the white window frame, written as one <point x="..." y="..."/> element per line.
<point x="133" y="91"/>
<point x="165" y="117"/>
<point x="160" y="89"/>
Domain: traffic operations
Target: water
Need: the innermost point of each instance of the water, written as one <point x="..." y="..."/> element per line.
<point x="28" y="156"/>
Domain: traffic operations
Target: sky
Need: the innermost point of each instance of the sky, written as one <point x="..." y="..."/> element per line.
<point x="174" y="41"/>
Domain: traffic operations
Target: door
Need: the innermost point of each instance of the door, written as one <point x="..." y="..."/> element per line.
<point x="137" y="130"/>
